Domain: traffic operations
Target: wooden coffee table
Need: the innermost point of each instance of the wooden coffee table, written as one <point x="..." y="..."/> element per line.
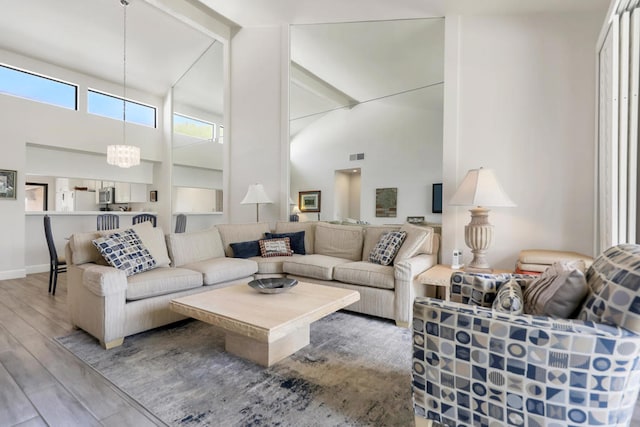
<point x="264" y="328"/>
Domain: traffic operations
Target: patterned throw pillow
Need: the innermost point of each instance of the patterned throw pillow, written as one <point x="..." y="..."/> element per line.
<point x="296" y="240"/>
<point x="125" y="251"/>
<point x="509" y="298"/>
<point x="387" y="247"/>
<point x="558" y="291"/>
<point x="275" y="247"/>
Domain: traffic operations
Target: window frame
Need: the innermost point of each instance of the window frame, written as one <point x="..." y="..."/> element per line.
<point x="126" y="100"/>
<point x="75" y="86"/>
<point x="214" y="127"/>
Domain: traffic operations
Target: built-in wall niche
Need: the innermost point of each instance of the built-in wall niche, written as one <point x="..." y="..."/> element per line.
<point x="374" y="88"/>
<point x="197" y="140"/>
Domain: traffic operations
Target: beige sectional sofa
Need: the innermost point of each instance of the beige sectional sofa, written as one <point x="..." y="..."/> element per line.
<point x="106" y="303"/>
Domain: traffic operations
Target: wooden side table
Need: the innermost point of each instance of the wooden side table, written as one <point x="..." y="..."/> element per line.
<point x="439" y="275"/>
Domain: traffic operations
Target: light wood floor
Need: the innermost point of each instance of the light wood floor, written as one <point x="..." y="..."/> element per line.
<point x="41" y="383"/>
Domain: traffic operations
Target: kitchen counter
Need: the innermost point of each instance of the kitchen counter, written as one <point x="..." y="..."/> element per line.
<point x="88" y="213"/>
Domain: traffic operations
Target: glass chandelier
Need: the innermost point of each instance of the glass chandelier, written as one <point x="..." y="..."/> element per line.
<point x="124" y="155"/>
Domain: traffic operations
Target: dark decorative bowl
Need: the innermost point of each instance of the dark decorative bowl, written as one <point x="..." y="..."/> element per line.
<point x="274" y="285"/>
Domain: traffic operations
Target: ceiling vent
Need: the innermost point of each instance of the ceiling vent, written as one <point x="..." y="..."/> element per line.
<point x="356" y="156"/>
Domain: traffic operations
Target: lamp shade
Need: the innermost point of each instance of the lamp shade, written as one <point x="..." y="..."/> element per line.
<point x="256" y="194"/>
<point x="480" y="187"/>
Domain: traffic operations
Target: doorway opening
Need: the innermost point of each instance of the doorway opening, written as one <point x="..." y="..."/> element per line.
<point x="347" y="194"/>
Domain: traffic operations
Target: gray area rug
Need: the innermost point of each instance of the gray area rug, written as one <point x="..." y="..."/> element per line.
<point x="355" y="372"/>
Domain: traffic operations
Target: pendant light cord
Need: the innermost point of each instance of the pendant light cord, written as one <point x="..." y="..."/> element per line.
<point x="124" y="4"/>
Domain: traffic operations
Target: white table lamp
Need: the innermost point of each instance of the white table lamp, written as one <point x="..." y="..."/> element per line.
<point x="256" y="194"/>
<point x="480" y="188"/>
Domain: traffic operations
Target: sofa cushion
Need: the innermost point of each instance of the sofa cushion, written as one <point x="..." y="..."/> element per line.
<point x="275" y="247"/>
<point x="509" y="298"/>
<point x="246" y="249"/>
<point x="309" y="229"/>
<point x="152" y="238"/>
<point x="161" y="281"/>
<point x="233" y="233"/>
<point x="316" y="266"/>
<point x="366" y="274"/>
<point x="187" y="248"/>
<point x="372" y="236"/>
<point x="387" y="247"/>
<point x="272" y="265"/>
<point x="82" y="248"/>
<point x="340" y="241"/>
<point x="220" y="270"/>
<point x="296" y="239"/>
<point x="558" y="291"/>
<point x="419" y="240"/>
<point x="125" y="252"/>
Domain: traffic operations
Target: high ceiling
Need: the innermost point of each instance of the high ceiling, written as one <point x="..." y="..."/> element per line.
<point x="87" y="35"/>
<point x="275" y="12"/>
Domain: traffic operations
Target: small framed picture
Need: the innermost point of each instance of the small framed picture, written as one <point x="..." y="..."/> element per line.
<point x="153" y="196"/>
<point x="436" y="198"/>
<point x="8" y="180"/>
<point x="309" y="201"/>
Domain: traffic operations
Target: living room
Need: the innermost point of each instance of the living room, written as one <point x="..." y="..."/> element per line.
<point x="519" y="97"/>
<point x="492" y="54"/>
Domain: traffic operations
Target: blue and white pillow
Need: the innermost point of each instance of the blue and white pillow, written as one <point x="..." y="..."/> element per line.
<point x="125" y="251"/>
<point x="509" y="298"/>
<point x="387" y="247"/>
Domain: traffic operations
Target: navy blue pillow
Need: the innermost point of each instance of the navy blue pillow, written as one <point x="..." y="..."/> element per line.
<point x="296" y="239"/>
<point x="246" y="249"/>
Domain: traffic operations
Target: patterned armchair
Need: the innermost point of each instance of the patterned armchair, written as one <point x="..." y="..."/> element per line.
<point x="473" y="366"/>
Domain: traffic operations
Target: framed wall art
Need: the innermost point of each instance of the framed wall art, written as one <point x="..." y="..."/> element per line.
<point x="436" y="198"/>
<point x="309" y="201"/>
<point x="153" y="196"/>
<point x="8" y="180"/>
<point x="386" y="202"/>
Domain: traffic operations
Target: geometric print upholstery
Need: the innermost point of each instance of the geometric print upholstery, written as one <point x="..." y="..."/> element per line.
<point x="387" y="247"/>
<point x="473" y="366"/>
<point x="481" y="288"/>
<point x="614" y="283"/>
<point x="125" y="251"/>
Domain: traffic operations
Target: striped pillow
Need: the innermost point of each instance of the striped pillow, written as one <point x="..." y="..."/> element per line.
<point x="275" y="247"/>
<point x="558" y="291"/>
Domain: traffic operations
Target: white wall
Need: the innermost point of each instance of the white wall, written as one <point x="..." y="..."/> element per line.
<point x="402" y="147"/>
<point x="521" y="101"/>
<point x="255" y="122"/>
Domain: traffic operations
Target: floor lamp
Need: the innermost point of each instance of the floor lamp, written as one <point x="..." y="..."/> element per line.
<point x="256" y="194"/>
<point x="480" y="188"/>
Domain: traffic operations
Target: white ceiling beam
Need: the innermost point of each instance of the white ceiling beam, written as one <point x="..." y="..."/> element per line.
<point x="319" y="87"/>
<point x="198" y="16"/>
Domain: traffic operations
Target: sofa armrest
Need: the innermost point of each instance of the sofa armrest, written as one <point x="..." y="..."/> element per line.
<point x="405" y="273"/>
<point x="96" y="299"/>
<point x="103" y="280"/>
<point x="481" y="288"/>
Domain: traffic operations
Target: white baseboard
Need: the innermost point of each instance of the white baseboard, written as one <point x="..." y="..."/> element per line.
<point x="39" y="268"/>
<point x="12" y="274"/>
